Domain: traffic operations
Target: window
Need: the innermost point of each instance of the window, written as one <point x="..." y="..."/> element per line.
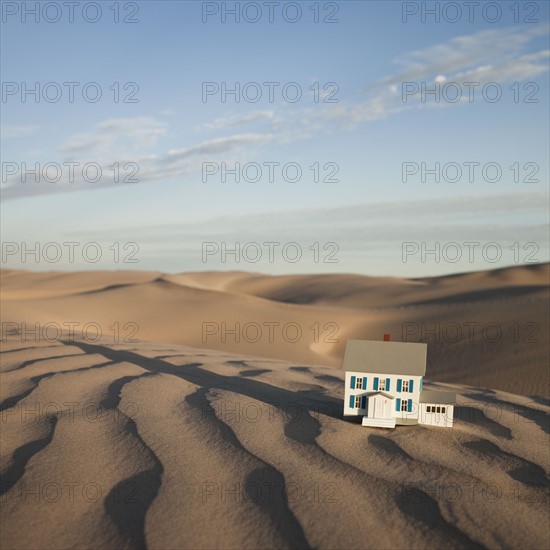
<point x="381" y="384"/>
<point x="443" y="410"/>
<point x="438" y="409"/>
<point x="405" y="386"/>
<point x="358" y="383"/>
<point x="357" y="401"/>
<point x="404" y="405"/>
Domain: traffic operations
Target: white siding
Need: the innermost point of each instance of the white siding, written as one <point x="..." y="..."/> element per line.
<point x="414" y="396"/>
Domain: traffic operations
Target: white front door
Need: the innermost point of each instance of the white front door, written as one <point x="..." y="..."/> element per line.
<point x="379" y="407"/>
<point x="382" y="407"/>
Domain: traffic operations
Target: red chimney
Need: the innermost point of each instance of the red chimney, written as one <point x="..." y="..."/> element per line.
<point x="387" y="337"/>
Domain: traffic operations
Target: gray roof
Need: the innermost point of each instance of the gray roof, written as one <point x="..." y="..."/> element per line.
<point x="385" y="357"/>
<point x="438" y="397"/>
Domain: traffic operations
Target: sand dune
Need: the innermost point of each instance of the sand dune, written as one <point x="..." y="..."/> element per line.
<point x="134" y="415"/>
<point x="162" y="446"/>
<point x="487" y="329"/>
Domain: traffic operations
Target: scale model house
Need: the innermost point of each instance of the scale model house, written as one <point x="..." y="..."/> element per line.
<point x="384" y="385"/>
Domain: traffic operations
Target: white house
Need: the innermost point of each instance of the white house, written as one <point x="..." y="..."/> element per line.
<point x="383" y="384"/>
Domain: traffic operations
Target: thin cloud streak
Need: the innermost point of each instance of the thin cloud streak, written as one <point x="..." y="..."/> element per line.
<point x="485" y="56"/>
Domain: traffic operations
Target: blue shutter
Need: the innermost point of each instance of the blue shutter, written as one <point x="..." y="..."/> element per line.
<point x="409" y="405"/>
<point x="420" y="384"/>
<point x="411" y="386"/>
<point x="364" y="382"/>
<point x="387" y="384"/>
<point x="398" y="404"/>
<point x="352" y="401"/>
<point x="399" y="384"/>
<point x="352" y="384"/>
<point x="363" y="402"/>
<point x="376" y="384"/>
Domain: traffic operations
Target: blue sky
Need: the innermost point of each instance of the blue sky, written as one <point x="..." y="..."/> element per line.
<point x="367" y="133"/>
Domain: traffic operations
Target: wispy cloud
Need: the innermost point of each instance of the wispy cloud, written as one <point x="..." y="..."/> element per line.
<point x="216" y="146"/>
<point x="497" y="55"/>
<point x="129" y="141"/>
<point x="517" y="69"/>
<point x="487" y="56"/>
<point x="238" y="120"/>
<point x="117" y="133"/>
<point x="499" y="47"/>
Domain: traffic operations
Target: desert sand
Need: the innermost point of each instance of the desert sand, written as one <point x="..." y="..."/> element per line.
<point x="156" y="436"/>
<point x="487" y="329"/>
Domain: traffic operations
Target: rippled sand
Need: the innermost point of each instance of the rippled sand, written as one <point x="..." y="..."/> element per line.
<point x="131" y="446"/>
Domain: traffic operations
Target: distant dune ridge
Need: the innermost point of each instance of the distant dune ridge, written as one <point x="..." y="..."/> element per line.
<point x="486" y="329"/>
<point x="177" y="441"/>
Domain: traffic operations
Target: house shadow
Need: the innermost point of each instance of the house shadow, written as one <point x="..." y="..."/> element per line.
<point x="310" y="402"/>
<point x="301" y="412"/>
